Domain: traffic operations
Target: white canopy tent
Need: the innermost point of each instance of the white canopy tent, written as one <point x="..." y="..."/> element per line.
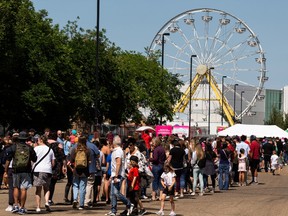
<point x="257" y="130"/>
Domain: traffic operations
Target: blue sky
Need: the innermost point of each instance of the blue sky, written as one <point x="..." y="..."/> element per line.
<point x="132" y="24"/>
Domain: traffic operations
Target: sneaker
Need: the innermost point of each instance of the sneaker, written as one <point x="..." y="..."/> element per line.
<point x="74" y="205"/>
<point x="201" y="194"/>
<point x="181" y="195"/>
<point x="38" y="210"/>
<point x="47" y="207"/>
<point x="81" y="208"/>
<point x="22" y="211"/>
<point x="142" y="212"/>
<point x="9" y="208"/>
<point x="144" y="197"/>
<point x="15" y="209"/>
<point x="130" y="209"/>
<point x="172" y="213"/>
<point x="160" y="213"/>
<point x="50" y="202"/>
<point x="193" y="194"/>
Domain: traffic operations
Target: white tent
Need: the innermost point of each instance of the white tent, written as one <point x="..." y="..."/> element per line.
<point x="257" y="130"/>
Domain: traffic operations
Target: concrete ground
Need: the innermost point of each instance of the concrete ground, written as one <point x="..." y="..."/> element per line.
<point x="269" y="197"/>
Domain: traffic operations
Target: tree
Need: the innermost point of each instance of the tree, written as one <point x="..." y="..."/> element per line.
<point x="48" y="74"/>
<point x="276" y="118"/>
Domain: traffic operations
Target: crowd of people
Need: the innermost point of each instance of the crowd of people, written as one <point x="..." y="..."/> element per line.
<point x="113" y="168"/>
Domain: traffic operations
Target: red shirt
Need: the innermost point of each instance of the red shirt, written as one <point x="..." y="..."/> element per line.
<point x="147" y="139"/>
<point x="255" y="149"/>
<point x="134" y="172"/>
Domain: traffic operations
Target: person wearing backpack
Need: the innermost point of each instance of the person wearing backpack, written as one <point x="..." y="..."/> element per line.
<point x="22" y="155"/>
<point x="80" y="157"/>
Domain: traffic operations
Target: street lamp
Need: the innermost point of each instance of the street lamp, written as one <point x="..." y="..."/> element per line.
<point x="162" y="61"/>
<point x="209" y="100"/>
<point x="97" y="64"/>
<point x="223" y="77"/>
<point x="235" y="85"/>
<point x="190" y="95"/>
<point x="242" y="92"/>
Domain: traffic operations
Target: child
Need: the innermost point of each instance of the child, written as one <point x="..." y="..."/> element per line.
<point x="168" y="179"/>
<point x="134" y="186"/>
<point x="281" y="162"/>
<point x="274" y="162"/>
<point x="242" y="164"/>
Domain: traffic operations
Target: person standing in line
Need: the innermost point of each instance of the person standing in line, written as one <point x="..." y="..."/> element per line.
<point x="197" y="156"/>
<point x="22" y="155"/>
<point x="168" y="180"/>
<point x="267" y="150"/>
<point x="147" y="139"/>
<point x="117" y="176"/>
<point x="176" y="157"/>
<point x="60" y="138"/>
<point x="94" y="156"/>
<point x="80" y="157"/>
<point x="9" y="176"/>
<point x="254" y="155"/>
<point x="157" y="158"/>
<point x="224" y="155"/>
<point x="42" y="172"/>
<point x="67" y="148"/>
<point x="242" y="165"/>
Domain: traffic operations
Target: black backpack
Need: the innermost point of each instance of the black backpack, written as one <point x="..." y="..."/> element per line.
<point x="202" y="162"/>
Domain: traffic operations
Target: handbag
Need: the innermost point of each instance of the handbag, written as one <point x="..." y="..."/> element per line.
<point x="32" y="172"/>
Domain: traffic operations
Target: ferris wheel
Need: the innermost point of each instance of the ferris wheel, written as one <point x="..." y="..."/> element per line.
<point x="206" y="47"/>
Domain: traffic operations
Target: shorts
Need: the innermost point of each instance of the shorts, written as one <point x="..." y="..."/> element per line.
<point x="22" y="180"/>
<point x="169" y="193"/>
<point x="98" y="180"/>
<point x="108" y="176"/>
<point x="254" y="163"/>
<point x="41" y="179"/>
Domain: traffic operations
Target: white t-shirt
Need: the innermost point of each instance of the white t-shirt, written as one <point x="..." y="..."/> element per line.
<point x="168" y="178"/>
<point x="46" y="164"/>
<point x="118" y="153"/>
<point x="274" y="159"/>
<point x="243" y="145"/>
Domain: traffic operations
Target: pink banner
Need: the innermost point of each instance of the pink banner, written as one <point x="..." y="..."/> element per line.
<point x="163" y="129"/>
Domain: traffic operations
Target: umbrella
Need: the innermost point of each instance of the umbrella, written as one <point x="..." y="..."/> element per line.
<point x="143" y="128"/>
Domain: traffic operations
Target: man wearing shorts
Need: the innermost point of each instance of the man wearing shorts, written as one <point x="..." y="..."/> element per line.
<point x="254" y="155"/>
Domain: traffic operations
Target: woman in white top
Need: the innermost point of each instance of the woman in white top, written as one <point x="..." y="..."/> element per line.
<point x="43" y="171"/>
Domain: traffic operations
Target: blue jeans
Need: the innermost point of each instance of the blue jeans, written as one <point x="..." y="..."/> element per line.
<point x="115" y="193"/>
<point x="197" y="173"/>
<point x="79" y="185"/>
<point x="223" y="172"/>
<point x="157" y="171"/>
<point x="180" y="179"/>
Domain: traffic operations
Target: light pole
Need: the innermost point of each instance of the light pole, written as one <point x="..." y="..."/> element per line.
<point x="209" y="98"/>
<point x="242" y="92"/>
<point x="235" y="85"/>
<point x="190" y="95"/>
<point x="97" y="64"/>
<point x="162" y="61"/>
<point x="223" y="77"/>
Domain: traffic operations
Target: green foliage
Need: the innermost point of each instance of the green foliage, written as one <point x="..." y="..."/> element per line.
<point x="277" y="118"/>
<point x="48" y="75"/>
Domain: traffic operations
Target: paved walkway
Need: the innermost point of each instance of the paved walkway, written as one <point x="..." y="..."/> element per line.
<point x="269" y="197"/>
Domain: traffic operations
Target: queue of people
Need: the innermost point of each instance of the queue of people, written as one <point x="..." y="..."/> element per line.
<point x="113" y="169"/>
